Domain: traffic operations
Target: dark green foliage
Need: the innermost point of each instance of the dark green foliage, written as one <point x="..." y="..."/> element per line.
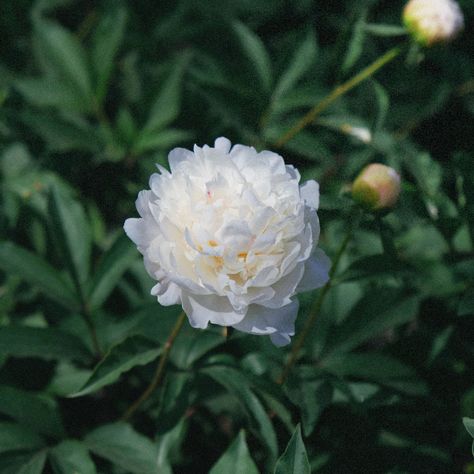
<point x="92" y="96"/>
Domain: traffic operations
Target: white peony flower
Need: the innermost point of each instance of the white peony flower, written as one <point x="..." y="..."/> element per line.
<point x="231" y="236"/>
<point x="433" y="21"/>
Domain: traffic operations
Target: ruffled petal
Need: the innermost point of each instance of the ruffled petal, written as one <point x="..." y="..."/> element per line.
<point x="222" y="144"/>
<point x="316" y="272"/>
<point x="265" y="321"/>
<point x="177" y="156"/>
<point x="202" y="310"/>
<point x="310" y="193"/>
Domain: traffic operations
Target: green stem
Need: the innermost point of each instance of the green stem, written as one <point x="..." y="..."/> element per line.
<point x="314" y="312"/>
<point x="160" y="369"/>
<point x="338" y="92"/>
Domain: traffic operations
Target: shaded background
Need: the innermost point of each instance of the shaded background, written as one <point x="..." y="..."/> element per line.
<point x="92" y="95"/>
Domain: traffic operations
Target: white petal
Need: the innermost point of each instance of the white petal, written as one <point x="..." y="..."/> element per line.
<point x="171" y="296"/>
<point x="177" y="156"/>
<point x="285" y="288"/>
<point x="277" y="322"/>
<point x="222" y="144"/>
<point x="204" y="309"/>
<point x="316" y="272"/>
<point x="136" y="230"/>
<point x="310" y="193"/>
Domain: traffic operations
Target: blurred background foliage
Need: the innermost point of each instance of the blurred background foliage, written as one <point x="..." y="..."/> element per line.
<point x="92" y="95"/>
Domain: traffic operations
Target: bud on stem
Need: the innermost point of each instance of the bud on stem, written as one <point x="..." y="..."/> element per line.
<point x="377" y="187"/>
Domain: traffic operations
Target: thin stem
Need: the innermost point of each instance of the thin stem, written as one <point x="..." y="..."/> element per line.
<point x="338" y="92"/>
<point x="314" y="312"/>
<point x="160" y="369"/>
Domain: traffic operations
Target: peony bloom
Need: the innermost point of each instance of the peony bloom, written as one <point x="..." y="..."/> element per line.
<point x="433" y="21"/>
<point x="377" y="187"/>
<point x="231" y="236"/>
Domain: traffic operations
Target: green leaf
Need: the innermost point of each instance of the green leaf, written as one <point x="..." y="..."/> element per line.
<point x="175" y="398"/>
<point x="106" y="43"/>
<point x="71" y="229"/>
<point x="135" y="350"/>
<point x="192" y="344"/>
<point x="302" y="61"/>
<point x="356" y="43"/>
<point x="113" y="265"/>
<point x="374" y="266"/>
<point x="48" y="343"/>
<point x="164" y="139"/>
<point x="66" y="58"/>
<point x="36" y="271"/>
<point x="63" y="135"/>
<point x="427" y="172"/>
<point x="46" y="92"/>
<point x="382" y="369"/>
<point x="383" y="104"/>
<point x="311" y="393"/>
<point x="167" y="103"/>
<point x="236" y="383"/>
<point x="236" y="459"/>
<point x="168" y="443"/>
<point x="14" y="436"/>
<point x="120" y="444"/>
<point x="294" y="460"/>
<point x="71" y="456"/>
<point x="256" y="52"/>
<point x="35" y="465"/>
<point x="373" y="314"/>
<point x="39" y="414"/>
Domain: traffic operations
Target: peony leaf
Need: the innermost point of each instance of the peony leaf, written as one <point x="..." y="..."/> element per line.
<point x="34" y="465"/>
<point x="192" y="344"/>
<point x="36" y="271"/>
<point x="356" y="43"/>
<point x="311" y="393"/>
<point x="256" y="52"/>
<point x="120" y="444"/>
<point x="302" y="61"/>
<point x="72" y="233"/>
<point x="236" y="383"/>
<point x="108" y="37"/>
<point x="135" y="350"/>
<point x="45" y="343"/>
<point x="163" y="139"/>
<point x="71" y="456"/>
<point x="38" y="413"/>
<point x="236" y="459"/>
<point x="294" y="460"/>
<point x="374" y="313"/>
<point x="166" y="105"/>
<point x="66" y="58"/>
<point x="14" y="436"/>
<point x="110" y="269"/>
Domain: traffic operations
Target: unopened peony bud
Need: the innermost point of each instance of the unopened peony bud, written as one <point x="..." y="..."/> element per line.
<point x="377" y="187"/>
<point x="433" y="21"/>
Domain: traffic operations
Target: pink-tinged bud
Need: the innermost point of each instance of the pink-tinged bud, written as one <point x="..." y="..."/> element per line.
<point x="433" y="21"/>
<point x="377" y="187"/>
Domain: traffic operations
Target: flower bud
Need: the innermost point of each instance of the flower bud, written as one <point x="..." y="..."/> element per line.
<point x="433" y="21"/>
<point x="377" y="187"/>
